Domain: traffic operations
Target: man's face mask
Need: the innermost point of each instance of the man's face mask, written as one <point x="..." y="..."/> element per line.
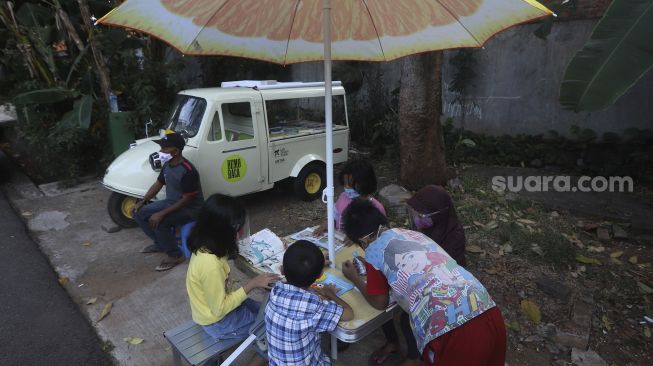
<point x="164" y="157"/>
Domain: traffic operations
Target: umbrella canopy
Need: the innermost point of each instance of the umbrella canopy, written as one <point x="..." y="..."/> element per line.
<point x="290" y="31"/>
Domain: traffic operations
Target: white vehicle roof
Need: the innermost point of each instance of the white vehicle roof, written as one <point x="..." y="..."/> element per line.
<point x="269" y="90"/>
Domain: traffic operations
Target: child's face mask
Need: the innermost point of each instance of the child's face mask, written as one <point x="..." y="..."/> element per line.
<point x="351" y="193"/>
<point x="422" y="223"/>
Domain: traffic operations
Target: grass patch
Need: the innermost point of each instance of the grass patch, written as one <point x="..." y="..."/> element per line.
<point x="527" y="227"/>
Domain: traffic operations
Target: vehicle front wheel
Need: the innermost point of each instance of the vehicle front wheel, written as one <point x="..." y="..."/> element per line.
<point x="310" y="182"/>
<point x="120" y="209"/>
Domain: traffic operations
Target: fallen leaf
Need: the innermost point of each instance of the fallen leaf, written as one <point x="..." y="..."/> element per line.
<point x="63" y="281"/>
<point x="474" y="249"/>
<point x="527" y="222"/>
<point x="599" y="249"/>
<point x="606" y="322"/>
<point x="514" y="325"/>
<point x="645" y="289"/>
<point x="478" y="224"/>
<point x="86" y="244"/>
<point x="133" y="340"/>
<point x="574" y="240"/>
<point x="536" y="248"/>
<point x="491" y="225"/>
<point x="531" y="310"/>
<point x="647" y="332"/>
<point x="91" y="301"/>
<point x="105" y="311"/>
<point x="587" y="260"/>
<point x="616" y="254"/>
<point x="507" y="248"/>
<point x="616" y="261"/>
<point x="633" y="259"/>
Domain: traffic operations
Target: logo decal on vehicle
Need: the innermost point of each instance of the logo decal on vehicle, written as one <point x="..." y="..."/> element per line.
<point x="234" y="168"/>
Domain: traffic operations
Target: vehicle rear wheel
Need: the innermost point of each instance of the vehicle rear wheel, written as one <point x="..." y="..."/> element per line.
<point x="310" y="182"/>
<point x="120" y="209"/>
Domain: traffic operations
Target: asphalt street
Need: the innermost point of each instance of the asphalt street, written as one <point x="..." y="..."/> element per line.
<point x="39" y="323"/>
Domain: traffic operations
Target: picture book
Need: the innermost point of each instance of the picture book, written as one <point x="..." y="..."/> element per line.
<point x="321" y="240"/>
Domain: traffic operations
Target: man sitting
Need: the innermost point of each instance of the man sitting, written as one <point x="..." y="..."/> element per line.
<point x="181" y="205"/>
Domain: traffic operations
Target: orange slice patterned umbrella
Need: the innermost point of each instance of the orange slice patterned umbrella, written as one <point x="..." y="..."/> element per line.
<point x="289" y="31"/>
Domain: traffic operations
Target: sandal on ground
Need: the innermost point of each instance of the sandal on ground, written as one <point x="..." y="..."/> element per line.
<point x="169" y="263"/>
<point x="379" y="357"/>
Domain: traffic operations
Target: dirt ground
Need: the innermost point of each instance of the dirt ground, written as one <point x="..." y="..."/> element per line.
<point x="557" y="284"/>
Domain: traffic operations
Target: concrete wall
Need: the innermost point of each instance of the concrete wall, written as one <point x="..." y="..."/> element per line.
<point x="517" y="85"/>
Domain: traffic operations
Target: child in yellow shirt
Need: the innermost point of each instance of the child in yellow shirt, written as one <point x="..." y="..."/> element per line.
<point x="223" y="314"/>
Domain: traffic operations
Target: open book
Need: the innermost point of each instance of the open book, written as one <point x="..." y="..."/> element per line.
<point x="264" y="251"/>
<point x="322" y="240"/>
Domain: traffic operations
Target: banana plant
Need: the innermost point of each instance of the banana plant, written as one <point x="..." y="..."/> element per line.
<point x="616" y="56"/>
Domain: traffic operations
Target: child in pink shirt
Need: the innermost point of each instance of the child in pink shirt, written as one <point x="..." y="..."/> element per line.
<point x="359" y="180"/>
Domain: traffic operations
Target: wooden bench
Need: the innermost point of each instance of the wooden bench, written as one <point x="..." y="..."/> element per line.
<point x="190" y="342"/>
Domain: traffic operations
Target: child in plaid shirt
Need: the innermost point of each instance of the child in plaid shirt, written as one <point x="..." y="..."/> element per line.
<point x="294" y="317"/>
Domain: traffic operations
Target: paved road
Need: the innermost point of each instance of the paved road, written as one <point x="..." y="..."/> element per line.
<point x="39" y="323"/>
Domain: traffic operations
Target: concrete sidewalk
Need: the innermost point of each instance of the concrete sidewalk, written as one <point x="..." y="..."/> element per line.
<point x="109" y="266"/>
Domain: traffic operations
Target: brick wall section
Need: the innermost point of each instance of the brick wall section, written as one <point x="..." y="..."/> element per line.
<point x="585" y="9"/>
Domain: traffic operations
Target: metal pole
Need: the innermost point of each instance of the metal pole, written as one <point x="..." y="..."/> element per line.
<point x="329" y="129"/>
<point x="328" y="192"/>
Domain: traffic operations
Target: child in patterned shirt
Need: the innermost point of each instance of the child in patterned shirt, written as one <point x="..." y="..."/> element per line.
<point x="295" y="316"/>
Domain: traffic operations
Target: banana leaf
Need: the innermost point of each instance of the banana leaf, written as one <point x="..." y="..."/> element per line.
<point x="79" y="116"/>
<point x="618" y="53"/>
<point x="45" y="96"/>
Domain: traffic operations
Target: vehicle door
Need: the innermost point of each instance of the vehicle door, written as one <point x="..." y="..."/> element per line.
<point x="229" y="155"/>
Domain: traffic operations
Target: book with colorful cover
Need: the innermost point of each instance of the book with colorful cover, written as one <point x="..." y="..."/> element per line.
<point x="322" y="240"/>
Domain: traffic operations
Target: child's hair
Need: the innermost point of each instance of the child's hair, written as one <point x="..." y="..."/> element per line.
<point x="303" y="263"/>
<point x="399" y="247"/>
<point x="362" y="174"/>
<point x="217" y="225"/>
<point x="362" y="218"/>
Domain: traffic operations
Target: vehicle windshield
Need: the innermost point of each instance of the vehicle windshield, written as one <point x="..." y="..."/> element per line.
<point x="186" y="115"/>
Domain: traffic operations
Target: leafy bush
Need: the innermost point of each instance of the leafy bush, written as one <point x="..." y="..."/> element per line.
<point x="584" y="153"/>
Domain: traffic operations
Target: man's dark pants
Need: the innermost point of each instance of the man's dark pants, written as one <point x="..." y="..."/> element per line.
<point x="164" y="235"/>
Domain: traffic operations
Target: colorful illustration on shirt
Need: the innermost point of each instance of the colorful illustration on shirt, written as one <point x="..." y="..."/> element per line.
<point x="438" y="294"/>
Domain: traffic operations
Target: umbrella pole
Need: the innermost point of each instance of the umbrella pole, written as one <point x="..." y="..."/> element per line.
<point x="329" y="147"/>
<point x="329" y="191"/>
